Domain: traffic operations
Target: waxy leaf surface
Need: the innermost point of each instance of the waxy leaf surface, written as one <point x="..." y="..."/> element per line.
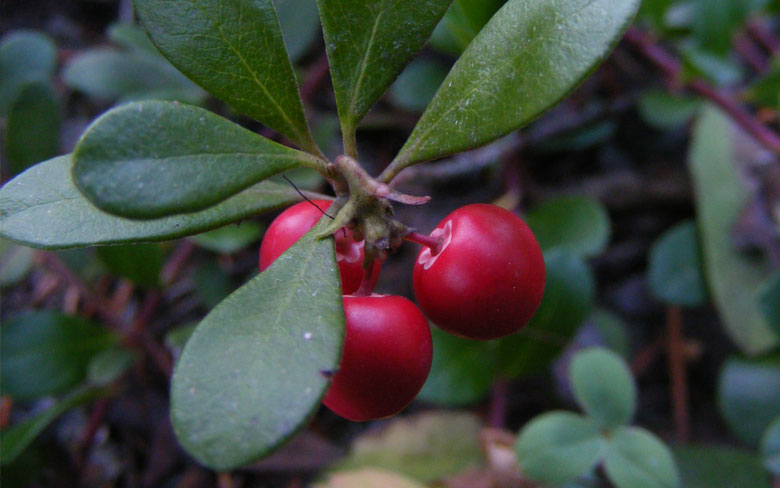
<point x="368" y="43"/>
<point x="530" y="55"/>
<point x="43" y="208"/>
<point x="233" y="49"/>
<point x="152" y="159"/>
<point x="256" y="367"/>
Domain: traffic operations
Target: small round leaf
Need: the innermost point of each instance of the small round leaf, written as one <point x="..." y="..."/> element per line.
<point x="675" y="273"/>
<point x="770" y="448"/>
<point x="604" y="387"/>
<point x="637" y="459"/>
<point x="577" y="223"/>
<point x="557" y="447"/>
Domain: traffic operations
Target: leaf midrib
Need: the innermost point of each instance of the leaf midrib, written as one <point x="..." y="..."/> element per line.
<point x="250" y="70"/>
<point x="360" y="75"/>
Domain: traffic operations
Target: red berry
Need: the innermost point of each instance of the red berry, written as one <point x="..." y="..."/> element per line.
<point x="386" y="358"/>
<point x="296" y="221"/>
<point x="487" y="279"/>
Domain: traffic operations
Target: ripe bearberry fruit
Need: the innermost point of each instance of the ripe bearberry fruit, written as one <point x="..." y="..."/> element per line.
<point x="486" y="277"/>
<point x="296" y="221"/>
<point x="386" y="358"/>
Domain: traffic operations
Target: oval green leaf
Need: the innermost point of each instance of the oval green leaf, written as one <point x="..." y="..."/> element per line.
<point x="235" y="51"/>
<point x="603" y="386"/>
<point x="529" y="56"/>
<point x="568" y="297"/>
<point x="252" y="373"/>
<point x="44" y="353"/>
<point x="719" y="467"/>
<point x="110" y="74"/>
<point x="557" y="447"/>
<point x="25" y="56"/>
<point x="770" y="447"/>
<point x="109" y="365"/>
<point x="462" y="23"/>
<point x="15" y="262"/>
<point x="33" y="126"/>
<point x="42" y="208"/>
<point x="674" y="272"/>
<point x="152" y="159"/>
<point x="720" y="193"/>
<point x="749" y="396"/>
<point x="462" y="370"/>
<point x="637" y="459"/>
<point x="368" y="43"/>
<point x="578" y="224"/>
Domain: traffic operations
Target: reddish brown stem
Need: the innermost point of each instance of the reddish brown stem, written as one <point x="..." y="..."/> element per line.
<point x="752" y="55"/>
<point x="427" y="241"/>
<point x="671" y="68"/>
<point x="93" y="424"/>
<point x="758" y="31"/>
<point x="316" y="75"/>
<point x="675" y="348"/>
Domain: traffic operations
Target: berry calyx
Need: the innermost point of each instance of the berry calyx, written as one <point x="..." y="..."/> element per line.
<point x="386" y="358"/>
<point x="486" y="277"/>
<point x="296" y="221"/>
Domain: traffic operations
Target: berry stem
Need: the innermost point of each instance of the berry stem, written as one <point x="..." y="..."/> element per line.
<point x="431" y="242"/>
<point x="366" y="288"/>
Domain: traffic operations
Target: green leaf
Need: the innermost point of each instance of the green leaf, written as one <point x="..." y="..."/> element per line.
<point x="44" y="353"/>
<point x="130" y="36"/>
<point x="529" y="56"/>
<point x="151" y="159"/>
<point x="666" y="111"/>
<point x="25" y="56"/>
<point x="426" y="446"/>
<point x="33" y="126"/>
<point x="231" y="238"/>
<point x="770" y="447"/>
<point x="15" y="262"/>
<point x="42" y="208"/>
<point x="578" y="224"/>
<point x="109" y="365"/>
<point x="769" y="301"/>
<point x="674" y="271"/>
<point x="568" y="297"/>
<point x="557" y="447"/>
<point x="462" y="23"/>
<point x="462" y="370"/>
<point x="604" y="387"/>
<point x="368" y="43"/>
<point x="139" y="263"/>
<point x="211" y="283"/>
<point x="579" y="139"/>
<point x="415" y="87"/>
<point x="636" y="458"/>
<point x="236" y="52"/>
<point x="719" y="467"/>
<point x="252" y="373"/>
<point x="300" y="22"/>
<point x="714" y="28"/>
<point x="749" y="396"/>
<point x="613" y="331"/>
<point x="110" y="74"/>
<point x="17" y="437"/>
<point x="720" y="197"/>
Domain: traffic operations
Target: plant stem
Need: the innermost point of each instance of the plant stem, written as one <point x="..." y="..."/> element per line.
<point x="672" y="69"/>
<point x="675" y="350"/>
<point x="498" y="403"/>
<point x="431" y="242"/>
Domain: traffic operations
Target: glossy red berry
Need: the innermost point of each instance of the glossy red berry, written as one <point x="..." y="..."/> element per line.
<point x="386" y="358"/>
<point x="296" y="221"/>
<point x="487" y="279"/>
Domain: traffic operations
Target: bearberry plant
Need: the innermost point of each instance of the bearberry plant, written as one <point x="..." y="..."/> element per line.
<point x="256" y="368"/>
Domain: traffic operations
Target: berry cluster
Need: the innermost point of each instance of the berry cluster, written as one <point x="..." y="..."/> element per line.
<point x="480" y="275"/>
